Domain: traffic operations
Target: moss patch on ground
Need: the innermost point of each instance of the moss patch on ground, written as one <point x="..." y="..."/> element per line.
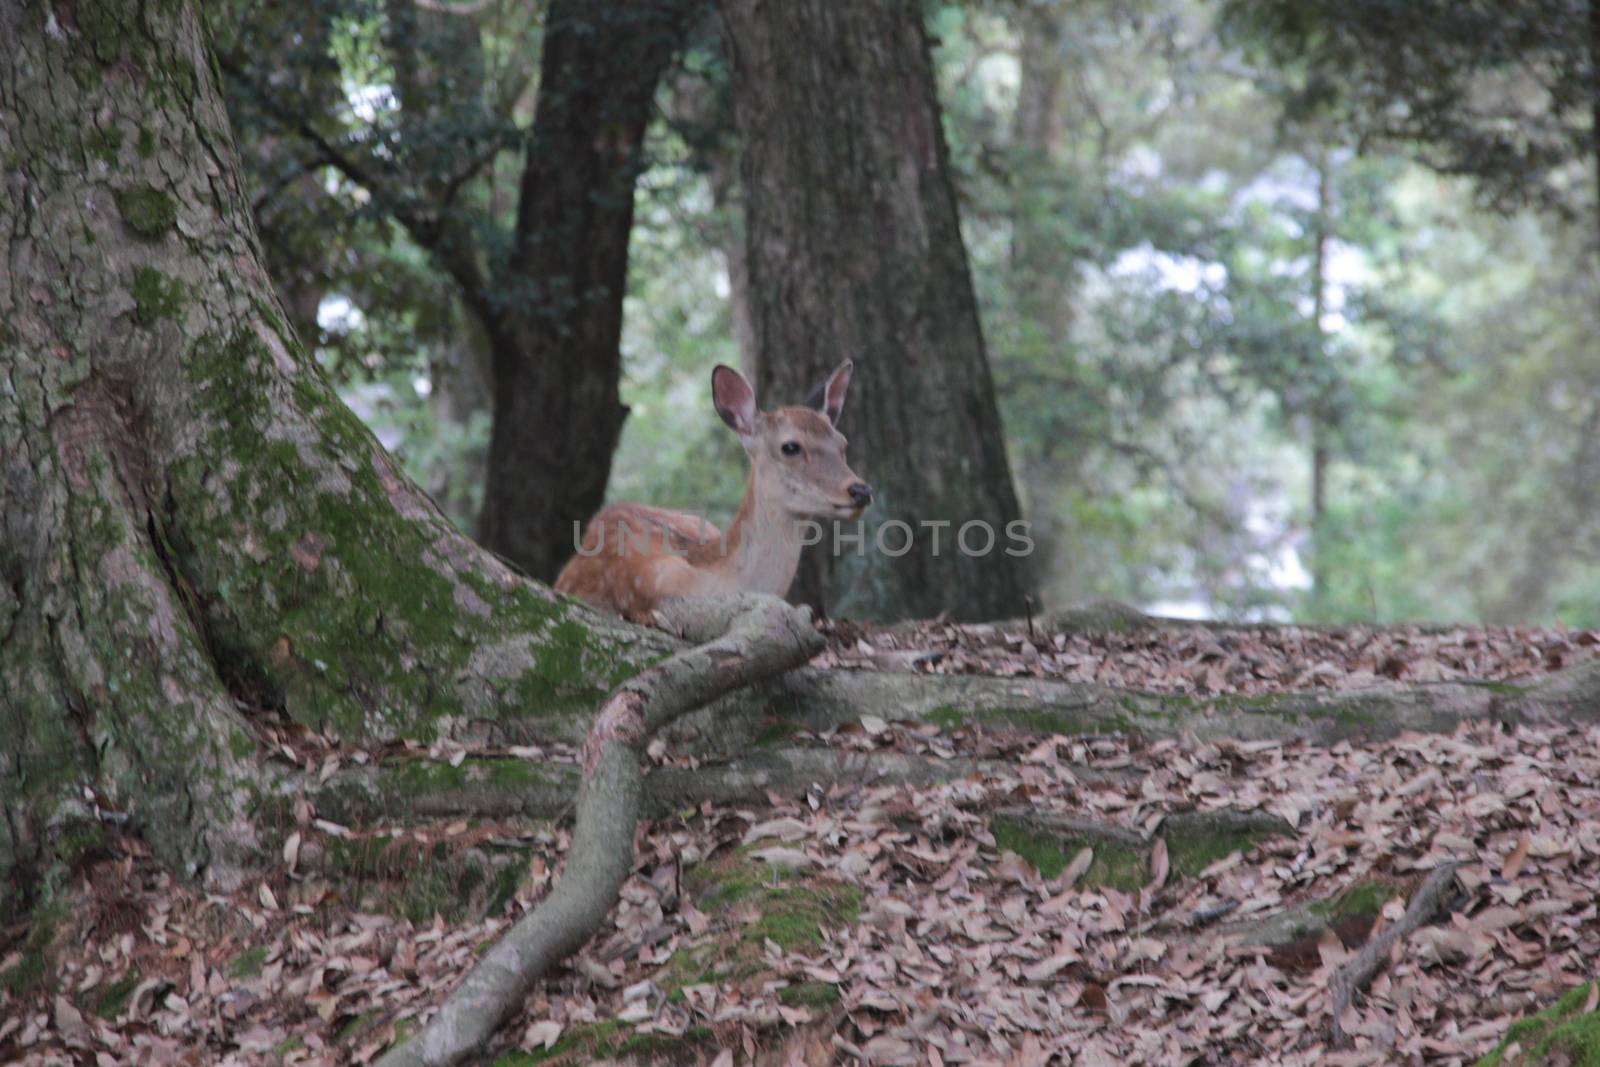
<point x="248" y="963"/>
<point x="1363" y="900"/>
<point x="108" y="1001"/>
<point x="1563" y="1034"/>
<point x="458" y="878"/>
<point x="749" y="903"/>
<point x="1117" y="864"/>
<point x="33" y="967"/>
<point x="1197" y="840"/>
<point x="1121" y="859"/>
<point x="608" y="1040"/>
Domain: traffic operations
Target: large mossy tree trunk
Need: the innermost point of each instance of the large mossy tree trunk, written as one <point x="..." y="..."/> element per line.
<point x="855" y="250"/>
<point x="192" y="526"/>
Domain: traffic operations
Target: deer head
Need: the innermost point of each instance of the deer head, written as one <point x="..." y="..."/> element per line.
<point x="796" y="454"/>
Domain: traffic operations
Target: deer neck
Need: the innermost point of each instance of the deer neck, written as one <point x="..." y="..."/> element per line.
<point x="763" y="543"/>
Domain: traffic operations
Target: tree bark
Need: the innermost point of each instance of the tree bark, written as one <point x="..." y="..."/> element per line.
<point x="192" y="527"/>
<point x="855" y="250"/>
<point x="462" y="394"/>
<point x="1594" y="113"/>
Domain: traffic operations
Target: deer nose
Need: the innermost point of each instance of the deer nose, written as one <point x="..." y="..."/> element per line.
<point x="860" y="494"/>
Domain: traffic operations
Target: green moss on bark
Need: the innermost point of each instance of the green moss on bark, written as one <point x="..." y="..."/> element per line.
<point x="155" y="296"/>
<point x="105" y="143"/>
<point x="148" y="211"/>
<point x="353" y="612"/>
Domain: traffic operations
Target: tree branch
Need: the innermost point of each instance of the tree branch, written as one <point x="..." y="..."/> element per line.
<point x="441" y="234"/>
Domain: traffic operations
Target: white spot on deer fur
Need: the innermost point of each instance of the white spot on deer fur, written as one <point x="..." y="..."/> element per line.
<point x="52" y="28"/>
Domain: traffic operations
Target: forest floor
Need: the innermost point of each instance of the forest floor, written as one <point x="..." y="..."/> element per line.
<point x="1084" y="900"/>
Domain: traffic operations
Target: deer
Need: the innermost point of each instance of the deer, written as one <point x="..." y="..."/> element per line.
<point x="634" y="556"/>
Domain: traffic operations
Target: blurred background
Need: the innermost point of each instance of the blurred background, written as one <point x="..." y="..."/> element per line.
<point x="1292" y="309"/>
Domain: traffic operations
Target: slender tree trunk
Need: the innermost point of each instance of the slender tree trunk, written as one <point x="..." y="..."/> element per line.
<point x="1321" y="239"/>
<point x="735" y="255"/>
<point x="855" y="251"/>
<point x="289" y="194"/>
<point x="1594" y="110"/>
<point x="554" y="333"/>
<point x="699" y="107"/>
<point x="1041" y="274"/>
<point x="192" y="527"/>
<point x="463" y="392"/>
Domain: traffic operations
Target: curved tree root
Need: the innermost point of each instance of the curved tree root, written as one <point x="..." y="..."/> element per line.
<point x="759" y="637"/>
<point x="1425" y="904"/>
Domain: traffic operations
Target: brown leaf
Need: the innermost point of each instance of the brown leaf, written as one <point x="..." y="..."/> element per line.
<point x="1513" y="864"/>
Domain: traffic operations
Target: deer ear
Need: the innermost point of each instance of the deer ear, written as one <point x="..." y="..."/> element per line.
<point x="734" y="400"/>
<point x="828" y="397"/>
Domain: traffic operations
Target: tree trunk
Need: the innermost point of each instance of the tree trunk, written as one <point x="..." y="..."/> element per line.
<point x="700" y="108"/>
<point x="555" y="335"/>
<point x="192" y="527"/>
<point x="1042" y="271"/>
<point x="1594" y="113"/>
<point x="462" y="394"/>
<point x="855" y="251"/>
<point x="735" y="255"/>
<point x="1321" y="238"/>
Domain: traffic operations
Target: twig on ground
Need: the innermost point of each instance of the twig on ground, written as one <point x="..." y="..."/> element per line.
<point x="1425" y="904"/>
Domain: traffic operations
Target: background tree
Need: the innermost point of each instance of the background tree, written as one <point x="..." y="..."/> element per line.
<point x="542" y="276"/>
<point x="1508" y="97"/>
<point x="855" y="250"/>
<point x="1507" y="94"/>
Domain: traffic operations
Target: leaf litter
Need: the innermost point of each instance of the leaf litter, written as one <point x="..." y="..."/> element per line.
<point x="960" y="952"/>
<point x="1233" y="660"/>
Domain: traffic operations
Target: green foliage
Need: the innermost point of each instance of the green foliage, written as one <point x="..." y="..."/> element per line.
<point x="1504" y="92"/>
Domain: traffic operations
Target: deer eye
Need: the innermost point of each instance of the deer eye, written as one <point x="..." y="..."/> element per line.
<point x="790" y="448"/>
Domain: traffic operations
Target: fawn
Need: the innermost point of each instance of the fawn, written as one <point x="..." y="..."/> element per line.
<point x="634" y="556"/>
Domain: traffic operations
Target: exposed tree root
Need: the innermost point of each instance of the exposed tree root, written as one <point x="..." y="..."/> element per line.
<point x="820" y="699"/>
<point x="745" y="638"/>
<point x="1353" y="976"/>
<point x="785" y="770"/>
